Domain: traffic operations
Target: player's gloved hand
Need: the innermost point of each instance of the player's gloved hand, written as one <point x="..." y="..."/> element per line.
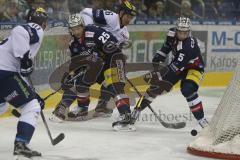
<point x="40" y="101"/>
<point x="157" y="61"/>
<point x="26" y="65"/>
<point x="67" y="82"/>
<point x="125" y="44"/>
<point x="153" y="77"/>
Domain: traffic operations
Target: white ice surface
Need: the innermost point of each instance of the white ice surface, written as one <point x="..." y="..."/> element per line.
<point x="95" y="139"/>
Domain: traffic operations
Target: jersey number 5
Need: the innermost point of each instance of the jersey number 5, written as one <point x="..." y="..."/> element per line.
<point x="180" y="57"/>
<point x="104" y="37"/>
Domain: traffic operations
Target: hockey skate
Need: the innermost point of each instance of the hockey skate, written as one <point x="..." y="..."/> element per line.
<point x="201" y="126"/>
<point x="21" y="151"/>
<point x="203" y="122"/>
<point x="124" y="123"/>
<point x="59" y="114"/>
<point x="78" y="114"/>
<point x="102" y="111"/>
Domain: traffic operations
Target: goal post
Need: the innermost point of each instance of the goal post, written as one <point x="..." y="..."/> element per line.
<point x="221" y="139"/>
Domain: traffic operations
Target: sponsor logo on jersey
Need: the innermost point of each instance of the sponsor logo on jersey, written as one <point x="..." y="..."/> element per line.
<point x="86" y="52"/>
<point x="11" y="96"/>
<point x="22" y="86"/>
<point x="89" y="34"/>
<point x="90" y="44"/>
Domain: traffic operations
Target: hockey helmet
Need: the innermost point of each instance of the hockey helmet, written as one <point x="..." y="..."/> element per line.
<point x="128" y="8"/>
<point x="75" y="20"/>
<point x="38" y="16"/>
<point x="183" y="24"/>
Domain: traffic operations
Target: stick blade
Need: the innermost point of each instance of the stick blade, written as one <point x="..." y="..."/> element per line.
<point x="58" y="139"/>
<point x="174" y="125"/>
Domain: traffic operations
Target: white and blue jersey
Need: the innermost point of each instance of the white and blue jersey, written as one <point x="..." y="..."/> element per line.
<point x="23" y="39"/>
<point x="108" y="20"/>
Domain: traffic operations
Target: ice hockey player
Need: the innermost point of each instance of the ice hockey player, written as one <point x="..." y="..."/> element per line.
<point x="18" y="51"/>
<point x="117" y="25"/>
<point x="105" y="63"/>
<point x="77" y="50"/>
<point x="186" y="66"/>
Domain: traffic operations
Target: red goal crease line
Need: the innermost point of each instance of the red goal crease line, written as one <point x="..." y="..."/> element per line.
<point x="218" y="155"/>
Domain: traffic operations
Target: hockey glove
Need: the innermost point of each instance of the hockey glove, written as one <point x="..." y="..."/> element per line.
<point x="152" y="77"/>
<point x="26" y="65"/>
<point x="157" y="61"/>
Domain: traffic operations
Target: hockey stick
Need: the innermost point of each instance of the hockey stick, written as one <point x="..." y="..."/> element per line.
<point x="61" y="136"/>
<point x="54" y="141"/>
<point x="17" y="114"/>
<point x="177" y="125"/>
<point x="51" y="94"/>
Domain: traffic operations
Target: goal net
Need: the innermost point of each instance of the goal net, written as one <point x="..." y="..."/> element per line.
<point x="222" y="138"/>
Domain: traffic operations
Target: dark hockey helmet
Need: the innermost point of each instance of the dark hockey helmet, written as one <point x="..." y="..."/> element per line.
<point x="38" y="16"/>
<point x="128" y="8"/>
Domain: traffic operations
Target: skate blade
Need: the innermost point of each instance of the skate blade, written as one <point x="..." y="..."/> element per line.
<point x="101" y="114"/>
<point x="79" y="118"/>
<point x="127" y="128"/>
<point x="21" y="157"/>
<point x="55" y="119"/>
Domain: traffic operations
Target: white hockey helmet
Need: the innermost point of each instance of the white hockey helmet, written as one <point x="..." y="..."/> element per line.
<point x="75" y="20"/>
<point x="183" y="24"/>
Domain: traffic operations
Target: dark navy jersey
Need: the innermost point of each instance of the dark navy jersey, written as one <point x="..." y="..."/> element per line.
<point x="78" y="52"/>
<point x="95" y="41"/>
<point x="100" y="40"/>
<point x="77" y="48"/>
<point x="186" y="53"/>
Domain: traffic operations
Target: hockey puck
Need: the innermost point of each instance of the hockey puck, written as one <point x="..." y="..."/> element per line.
<point x="194" y="132"/>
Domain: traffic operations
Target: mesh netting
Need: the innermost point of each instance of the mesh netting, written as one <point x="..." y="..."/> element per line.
<point x="225" y="123"/>
<point x="222" y="138"/>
